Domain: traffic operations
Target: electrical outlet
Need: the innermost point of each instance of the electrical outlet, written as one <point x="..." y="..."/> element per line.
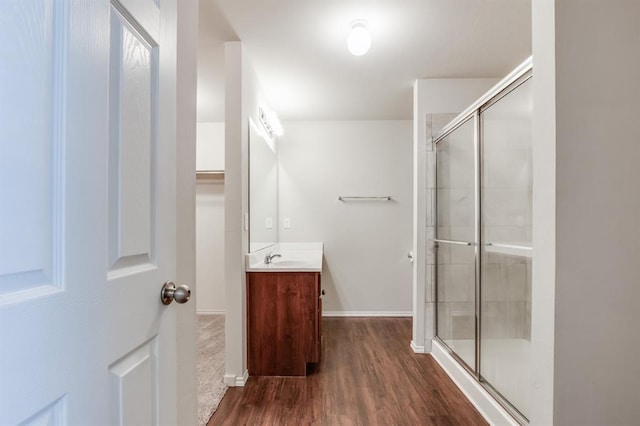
<point x="268" y="223"/>
<point x="287" y="223"/>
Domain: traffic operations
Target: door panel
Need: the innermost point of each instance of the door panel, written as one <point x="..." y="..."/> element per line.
<point x="132" y="131"/>
<point x="49" y="416"/>
<point x="87" y="222"/>
<point x="29" y="256"/>
<point x="133" y="380"/>
<point x="507" y="250"/>
<point x="456" y="237"/>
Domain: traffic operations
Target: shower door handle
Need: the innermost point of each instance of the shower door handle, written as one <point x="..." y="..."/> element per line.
<point x="460" y="243"/>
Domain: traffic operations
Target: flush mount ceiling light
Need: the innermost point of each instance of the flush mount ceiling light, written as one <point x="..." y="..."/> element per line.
<point x="359" y="39"/>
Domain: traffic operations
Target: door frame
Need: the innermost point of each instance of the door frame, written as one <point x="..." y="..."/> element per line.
<point x="186" y="114"/>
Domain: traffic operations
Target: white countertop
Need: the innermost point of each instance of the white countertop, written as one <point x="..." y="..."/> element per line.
<point x="294" y="257"/>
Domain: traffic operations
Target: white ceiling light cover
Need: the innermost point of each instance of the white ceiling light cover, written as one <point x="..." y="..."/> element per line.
<point x="359" y="40"/>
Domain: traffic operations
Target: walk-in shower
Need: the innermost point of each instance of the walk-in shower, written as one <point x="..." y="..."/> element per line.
<point x="483" y="241"/>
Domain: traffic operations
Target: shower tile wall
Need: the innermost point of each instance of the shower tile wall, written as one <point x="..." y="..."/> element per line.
<point x="507" y="180"/>
<point x="506" y="301"/>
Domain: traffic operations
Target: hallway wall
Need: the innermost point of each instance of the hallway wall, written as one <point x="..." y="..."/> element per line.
<point x="586" y="212"/>
<point x="243" y="96"/>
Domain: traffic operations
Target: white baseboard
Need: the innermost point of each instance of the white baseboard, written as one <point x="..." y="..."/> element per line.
<point x="367" y="314"/>
<point x="230" y="379"/>
<point x="210" y="312"/>
<point x="241" y="381"/>
<point x="234" y="380"/>
<point x="417" y="349"/>
<point x="479" y="397"/>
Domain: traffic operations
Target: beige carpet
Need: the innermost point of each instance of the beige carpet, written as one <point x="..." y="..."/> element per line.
<point x="211" y="387"/>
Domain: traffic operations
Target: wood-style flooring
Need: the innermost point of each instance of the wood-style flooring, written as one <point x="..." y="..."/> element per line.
<point x="368" y="376"/>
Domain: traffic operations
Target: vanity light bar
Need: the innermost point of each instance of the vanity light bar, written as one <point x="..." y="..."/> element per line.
<point x="262" y="116"/>
<point x="270" y="122"/>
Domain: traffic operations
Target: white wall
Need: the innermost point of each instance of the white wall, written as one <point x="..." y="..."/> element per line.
<point x="586" y="124"/>
<point x="366" y="267"/>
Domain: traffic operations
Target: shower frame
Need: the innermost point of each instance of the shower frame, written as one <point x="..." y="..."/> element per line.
<point x="511" y="82"/>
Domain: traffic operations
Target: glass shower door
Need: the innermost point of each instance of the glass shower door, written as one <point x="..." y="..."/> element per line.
<point x="456" y="241"/>
<point x="507" y="251"/>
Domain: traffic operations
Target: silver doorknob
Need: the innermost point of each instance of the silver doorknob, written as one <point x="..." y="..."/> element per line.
<point x="170" y="292"/>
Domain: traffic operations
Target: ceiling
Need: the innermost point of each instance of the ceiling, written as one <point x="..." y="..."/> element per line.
<point x="298" y="49"/>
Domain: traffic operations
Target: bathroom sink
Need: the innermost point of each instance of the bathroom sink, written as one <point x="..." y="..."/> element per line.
<point x="287" y="257"/>
<point x="289" y="263"/>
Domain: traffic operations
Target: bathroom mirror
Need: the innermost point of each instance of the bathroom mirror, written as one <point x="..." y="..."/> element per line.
<point x="263" y="189"/>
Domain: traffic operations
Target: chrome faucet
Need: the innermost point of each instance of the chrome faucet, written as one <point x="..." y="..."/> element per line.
<point x="269" y="258"/>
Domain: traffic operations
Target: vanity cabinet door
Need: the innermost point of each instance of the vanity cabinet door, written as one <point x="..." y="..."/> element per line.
<point x="282" y="322"/>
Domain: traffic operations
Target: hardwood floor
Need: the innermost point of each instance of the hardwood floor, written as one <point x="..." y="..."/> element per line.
<point x="368" y="376"/>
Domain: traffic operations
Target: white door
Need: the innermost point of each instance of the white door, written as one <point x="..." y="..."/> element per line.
<point x="87" y="212"/>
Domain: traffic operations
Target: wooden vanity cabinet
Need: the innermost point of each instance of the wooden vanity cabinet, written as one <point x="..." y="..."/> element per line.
<point x="284" y="322"/>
